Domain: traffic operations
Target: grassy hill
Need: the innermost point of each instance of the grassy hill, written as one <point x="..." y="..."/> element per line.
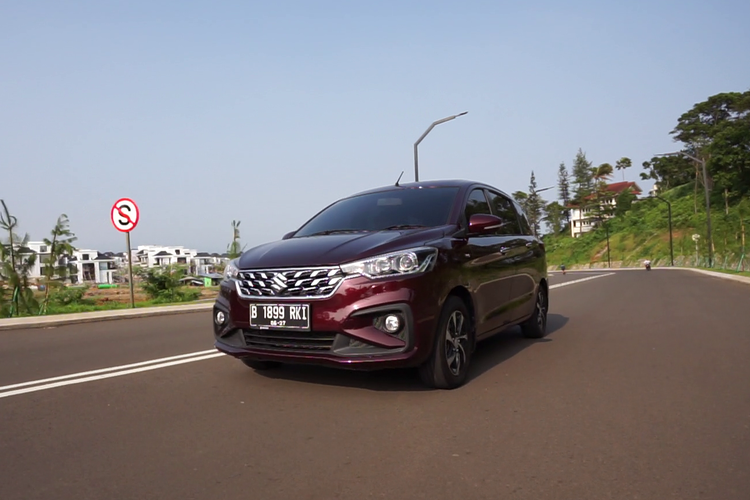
<point x="643" y="233"/>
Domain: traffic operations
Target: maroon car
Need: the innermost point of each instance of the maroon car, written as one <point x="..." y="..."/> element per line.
<point x="401" y="276"/>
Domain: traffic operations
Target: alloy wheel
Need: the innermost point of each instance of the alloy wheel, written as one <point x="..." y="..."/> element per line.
<point x="541" y="308"/>
<point x="456" y="339"/>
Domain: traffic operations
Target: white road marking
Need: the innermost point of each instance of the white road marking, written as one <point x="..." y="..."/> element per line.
<point x="13" y="390"/>
<point x="558" y="285"/>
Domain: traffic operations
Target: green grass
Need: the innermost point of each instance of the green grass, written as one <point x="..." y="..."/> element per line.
<point x="54" y="309"/>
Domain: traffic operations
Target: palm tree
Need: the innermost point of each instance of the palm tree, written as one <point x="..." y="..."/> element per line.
<point x="623" y="164"/>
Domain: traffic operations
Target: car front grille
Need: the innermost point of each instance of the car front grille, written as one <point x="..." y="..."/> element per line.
<point x="269" y="340"/>
<point x="313" y="283"/>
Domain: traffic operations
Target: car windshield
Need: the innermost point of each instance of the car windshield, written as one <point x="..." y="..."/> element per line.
<point x="397" y="209"/>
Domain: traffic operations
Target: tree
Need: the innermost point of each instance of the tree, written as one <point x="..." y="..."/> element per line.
<point x="624" y="201"/>
<point x="602" y="209"/>
<point x="163" y="284"/>
<point x="60" y="248"/>
<point x="582" y="176"/>
<point x="718" y="131"/>
<point x="534" y="205"/>
<point x="563" y="190"/>
<point x="234" y="250"/>
<point x="522" y="199"/>
<point x="15" y="267"/>
<point x="668" y="171"/>
<point x="554" y="217"/>
<point x="623" y="164"/>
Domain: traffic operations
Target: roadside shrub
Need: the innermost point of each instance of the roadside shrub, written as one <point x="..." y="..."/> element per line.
<point x="68" y="295"/>
<point x="163" y="285"/>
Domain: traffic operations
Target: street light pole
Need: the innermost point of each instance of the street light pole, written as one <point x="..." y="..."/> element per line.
<point x="708" y="202"/>
<point x="429" y="129"/>
<point x="669" y="209"/>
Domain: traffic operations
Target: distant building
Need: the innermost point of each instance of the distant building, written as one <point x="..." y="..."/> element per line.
<point x="161" y="256"/>
<point x="92" y="266"/>
<point x="583" y="218"/>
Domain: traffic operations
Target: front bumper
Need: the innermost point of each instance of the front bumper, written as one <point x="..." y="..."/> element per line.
<point x="342" y="333"/>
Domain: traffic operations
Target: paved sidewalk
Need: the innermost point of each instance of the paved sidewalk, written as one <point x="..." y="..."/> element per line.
<point x="86" y="317"/>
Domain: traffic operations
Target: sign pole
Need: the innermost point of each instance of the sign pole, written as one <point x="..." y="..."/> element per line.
<point x="124" y="216"/>
<point x="130" y="270"/>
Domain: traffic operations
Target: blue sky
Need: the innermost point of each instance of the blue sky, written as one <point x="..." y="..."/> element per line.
<point x="265" y="112"/>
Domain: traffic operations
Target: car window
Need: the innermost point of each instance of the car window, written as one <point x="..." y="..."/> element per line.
<point x="525" y="224"/>
<point x="477" y="204"/>
<point x="383" y="210"/>
<point x="503" y="208"/>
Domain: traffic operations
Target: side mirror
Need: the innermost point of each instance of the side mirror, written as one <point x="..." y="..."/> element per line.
<point x="484" y="224"/>
<point x="288" y="235"/>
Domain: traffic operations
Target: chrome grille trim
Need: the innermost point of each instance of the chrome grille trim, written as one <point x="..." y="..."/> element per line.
<point x="289" y="283"/>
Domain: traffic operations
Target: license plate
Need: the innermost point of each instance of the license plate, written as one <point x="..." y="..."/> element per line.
<point x="280" y="316"/>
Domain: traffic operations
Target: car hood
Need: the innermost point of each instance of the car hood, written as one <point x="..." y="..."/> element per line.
<point x="334" y="249"/>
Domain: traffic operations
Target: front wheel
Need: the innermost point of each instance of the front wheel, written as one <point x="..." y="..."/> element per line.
<point x="536" y="326"/>
<point x="448" y="365"/>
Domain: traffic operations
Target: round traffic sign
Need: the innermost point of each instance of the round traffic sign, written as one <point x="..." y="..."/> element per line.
<point x="125" y="215"/>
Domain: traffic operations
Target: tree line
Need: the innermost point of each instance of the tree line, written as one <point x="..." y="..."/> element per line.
<point x="584" y="185"/>
<point x="715" y="131"/>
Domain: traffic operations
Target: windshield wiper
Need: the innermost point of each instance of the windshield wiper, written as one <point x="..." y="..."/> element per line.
<point x="336" y="231"/>
<point x="403" y="226"/>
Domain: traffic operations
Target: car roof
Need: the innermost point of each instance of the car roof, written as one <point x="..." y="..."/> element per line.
<point x="460" y="183"/>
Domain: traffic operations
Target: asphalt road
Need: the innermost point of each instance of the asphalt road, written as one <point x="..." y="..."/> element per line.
<point x="641" y="390"/>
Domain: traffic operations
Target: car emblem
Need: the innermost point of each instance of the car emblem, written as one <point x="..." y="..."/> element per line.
<point x="279" y="282"/>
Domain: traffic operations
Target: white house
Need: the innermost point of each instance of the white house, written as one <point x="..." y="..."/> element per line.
<point x="90" y="265"/>
<point x="158" y="256"/>
<point x="583" y="219"/>
<point x="93" y="266"/>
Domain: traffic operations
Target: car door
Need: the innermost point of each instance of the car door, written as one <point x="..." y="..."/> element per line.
<point x="514" y="246"/>
<point x="530" y="266"/>
<point x="488" y="270"/>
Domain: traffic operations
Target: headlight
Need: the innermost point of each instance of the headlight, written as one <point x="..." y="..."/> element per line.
<point x="403" y="263"/>
<point x="231" y="271"/>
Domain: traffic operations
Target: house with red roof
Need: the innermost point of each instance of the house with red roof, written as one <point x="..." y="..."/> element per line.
<point x="583" y="217"/>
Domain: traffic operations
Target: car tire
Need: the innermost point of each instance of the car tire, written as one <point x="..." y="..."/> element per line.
<point x="536" y="326"/>
<point x="261" y="365"/>
<point x="449" y="363"/>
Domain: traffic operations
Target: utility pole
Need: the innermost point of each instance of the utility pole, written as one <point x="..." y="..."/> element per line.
<point x="669" y="209"/>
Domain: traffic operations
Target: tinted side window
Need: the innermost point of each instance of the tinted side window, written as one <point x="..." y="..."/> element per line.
<point x="525" y="225"/>
<point x="477" y="204"/>
<point x="503" y="208"/>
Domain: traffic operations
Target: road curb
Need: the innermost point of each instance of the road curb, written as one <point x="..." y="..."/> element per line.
<point x="90" y="317"/>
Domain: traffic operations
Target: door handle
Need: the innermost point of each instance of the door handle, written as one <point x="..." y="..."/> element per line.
<point x="530" y="244"/>
<point x="504" y="250"/>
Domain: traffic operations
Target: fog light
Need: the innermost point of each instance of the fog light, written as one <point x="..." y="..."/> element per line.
<point x="392" y="323"/>
<point x="220" y="317"/>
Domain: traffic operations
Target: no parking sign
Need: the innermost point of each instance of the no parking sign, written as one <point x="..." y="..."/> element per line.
<point x="125" y="215"/>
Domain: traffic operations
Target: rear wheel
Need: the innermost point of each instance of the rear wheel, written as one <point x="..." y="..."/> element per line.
<point x="261" y="365"/>
<point x="449" y="363"/>
<point x="536" y="326"/>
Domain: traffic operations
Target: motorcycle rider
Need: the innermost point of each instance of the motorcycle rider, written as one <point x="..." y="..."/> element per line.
<point x="647" y="263"/>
